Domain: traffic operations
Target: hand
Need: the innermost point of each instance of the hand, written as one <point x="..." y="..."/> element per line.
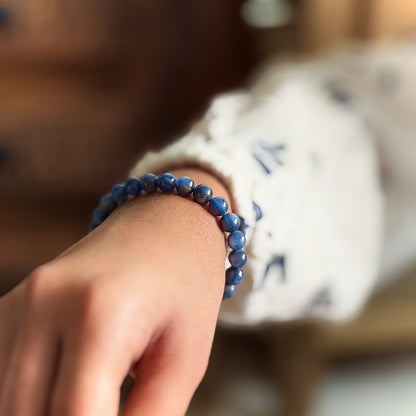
<point x="141" y="291"/>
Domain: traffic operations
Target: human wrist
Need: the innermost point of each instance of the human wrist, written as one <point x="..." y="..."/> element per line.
<point x="167" y="206"/>
<point x="172" y="239"/>
<point x="214" y="210"/>
<point x="204" y="176"/>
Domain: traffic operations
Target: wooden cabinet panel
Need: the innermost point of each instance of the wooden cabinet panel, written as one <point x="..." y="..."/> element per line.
<point x="82" y="30"/>
<point x="54" y="160"/>
<point x="62" y="133"/>
<point x="49" y="20"/>
<point x="35" y="231"/>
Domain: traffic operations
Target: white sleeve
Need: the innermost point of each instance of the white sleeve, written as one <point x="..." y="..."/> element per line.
<point x="299" y="155"/>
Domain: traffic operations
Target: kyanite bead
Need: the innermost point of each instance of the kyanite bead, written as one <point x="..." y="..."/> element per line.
<point x="229" y="291"/>
<point x="185" y="186"/>
<point x="237" y="258"/>
<point x="202" y="194"/>
<point x="93" y="226"/>
<point x="133" y="186"/>
<point x="218" y="206"/>
<point x="118" y="193"/>
<point x="100" y="215"/>
<point x="166" y="182"/>
<point x="107" y="203"/>
<point x="237" y="240"/>
<point x="234" y="276"/>
<point x="230" y="222"/>
<point x="149" y="182"/>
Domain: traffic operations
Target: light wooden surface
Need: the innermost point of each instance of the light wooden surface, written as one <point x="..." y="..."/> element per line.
<point x="387" y="18"/>
<point x="387" y="324"/>
<point x="328" y="23"/>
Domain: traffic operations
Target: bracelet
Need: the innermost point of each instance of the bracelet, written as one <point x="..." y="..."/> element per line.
<point x="229" y="222"/>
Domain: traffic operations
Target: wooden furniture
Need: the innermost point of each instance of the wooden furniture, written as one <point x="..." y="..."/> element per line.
<point x="86" y="87"/>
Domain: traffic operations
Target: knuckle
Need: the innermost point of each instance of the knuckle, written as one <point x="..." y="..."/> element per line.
<point x="94" y="302"/>
<point x="38" y="284"/>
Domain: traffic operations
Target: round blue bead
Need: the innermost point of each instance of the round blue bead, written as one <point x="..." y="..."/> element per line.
<point x="202" y="194"/>
<point x="149" y="182"/>
<point x="133" y="186"/>
<point x="118" y="193"/>
<point x="185" y="186"/>
<point x="237" y="240"/>
<point x="218" y="206"/>
<point x="237" y="258"/>
<point x="234" y="276"/>
<point x="230" y="222"/>
<point x="166" y="182"/>
<point x="100" y="215"/>
<point x="93" y="226"/>
<point x="107" y="203"/>
<point x="229" y="291"/>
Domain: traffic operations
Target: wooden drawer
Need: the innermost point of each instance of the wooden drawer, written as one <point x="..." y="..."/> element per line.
<point x="48" y="20"/>
<point x="88" y="29"/>
<point x="61" y="159"/>
<point x="35" y="231"/>
<point x="63" y="135"/>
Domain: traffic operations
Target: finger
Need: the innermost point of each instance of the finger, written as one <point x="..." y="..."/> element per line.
<point x="93" y="366"/>
<point x="87" y="382"/>
<point x="30" y="369"/>
<point x="166" y="379"/>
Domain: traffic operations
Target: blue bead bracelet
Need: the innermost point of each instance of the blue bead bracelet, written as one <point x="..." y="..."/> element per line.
<point x="229" y="222"/>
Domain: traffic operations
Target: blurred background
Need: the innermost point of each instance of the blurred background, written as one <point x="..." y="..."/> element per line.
<point x="87" y="86"/>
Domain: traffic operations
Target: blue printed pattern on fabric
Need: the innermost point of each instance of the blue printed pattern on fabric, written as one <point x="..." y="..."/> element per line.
<point x="258" y="211"/>
<point x="276" y="261"/>
<point x="268" y="156"/>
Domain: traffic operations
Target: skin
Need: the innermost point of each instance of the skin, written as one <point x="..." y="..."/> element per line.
<point x="141" y="292"/>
